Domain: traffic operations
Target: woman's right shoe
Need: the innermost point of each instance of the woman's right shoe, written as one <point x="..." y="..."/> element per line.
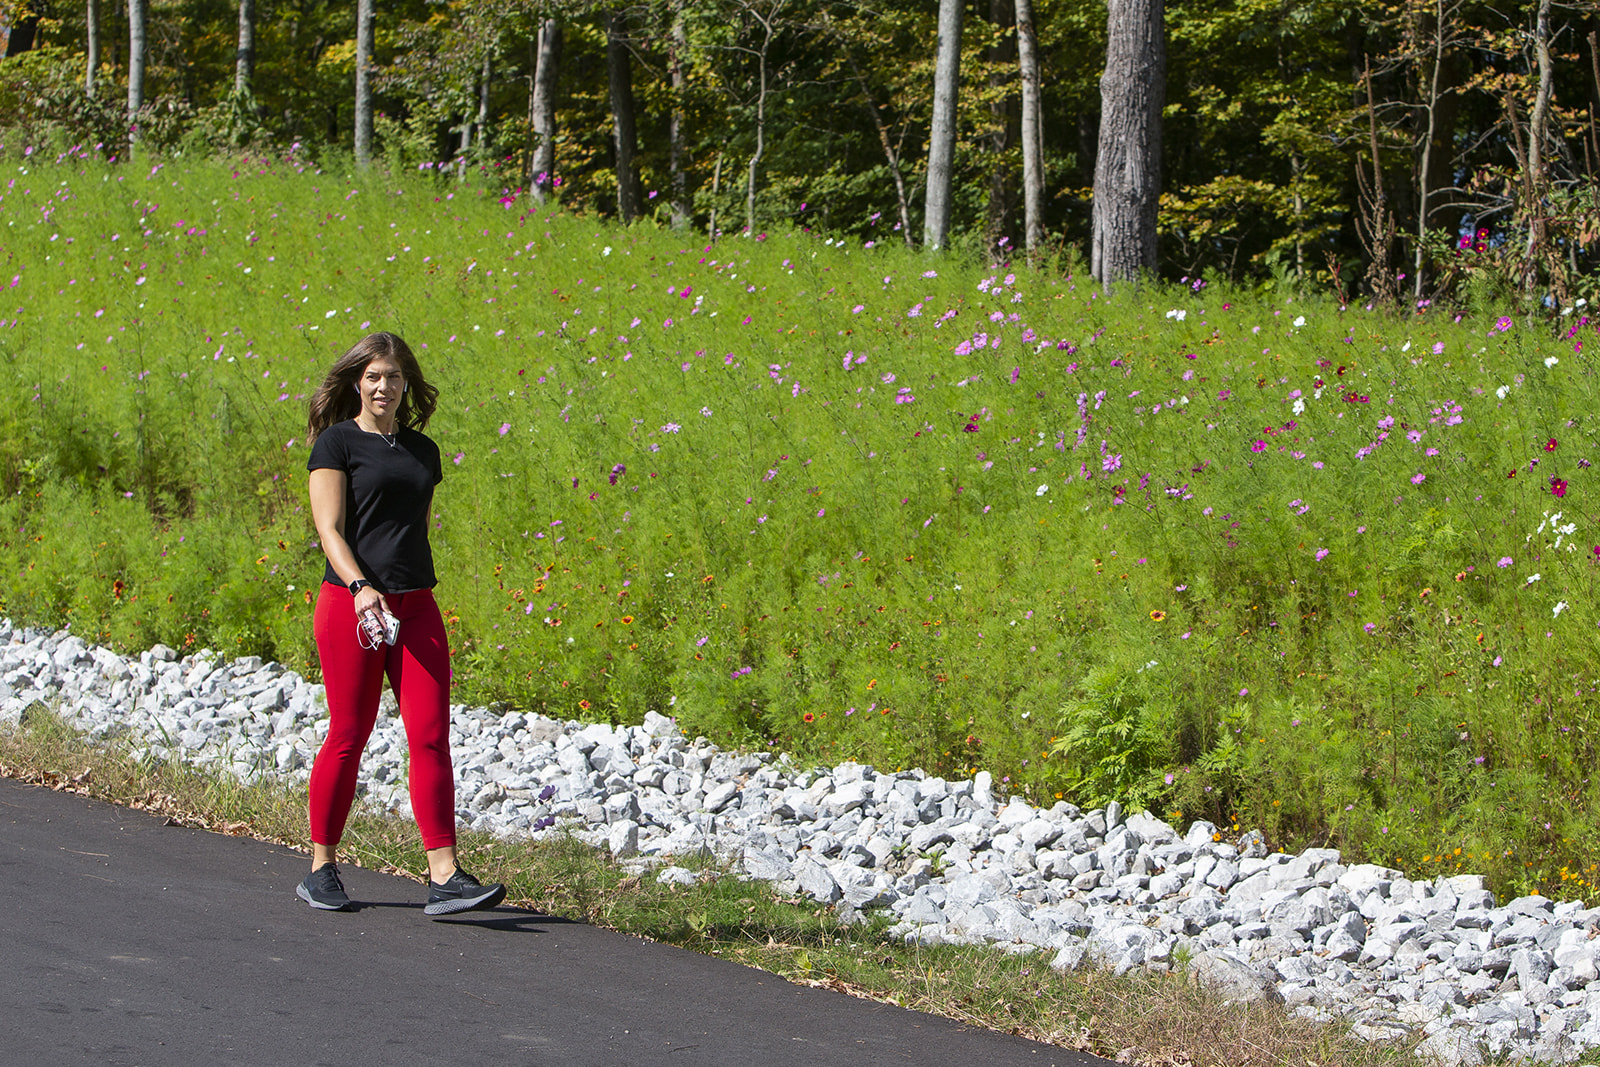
<point x="322" y="889"/>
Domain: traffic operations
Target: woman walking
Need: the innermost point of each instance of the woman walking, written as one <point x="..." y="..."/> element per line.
<point x="372" y="478"/>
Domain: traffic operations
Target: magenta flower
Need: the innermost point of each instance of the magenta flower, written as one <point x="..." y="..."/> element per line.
<point x="1259" y="446"/>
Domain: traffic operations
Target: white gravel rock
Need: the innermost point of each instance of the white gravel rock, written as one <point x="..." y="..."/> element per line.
<point x="1439" y="960"/>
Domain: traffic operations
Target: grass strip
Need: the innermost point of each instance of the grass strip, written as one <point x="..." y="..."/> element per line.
<point x="1140" y="1017"/>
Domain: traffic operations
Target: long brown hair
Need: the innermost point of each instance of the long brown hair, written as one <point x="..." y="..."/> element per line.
<point x="338" y="397"/>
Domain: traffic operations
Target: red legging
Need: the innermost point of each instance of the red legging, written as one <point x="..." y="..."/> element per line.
<point x="419" y="674"/>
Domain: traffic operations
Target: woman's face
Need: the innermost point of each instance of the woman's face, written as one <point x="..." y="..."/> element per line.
<point x="381" y="385"/>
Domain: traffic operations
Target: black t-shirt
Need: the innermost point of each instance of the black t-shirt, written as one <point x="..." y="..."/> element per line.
<point x="388" y="493"/>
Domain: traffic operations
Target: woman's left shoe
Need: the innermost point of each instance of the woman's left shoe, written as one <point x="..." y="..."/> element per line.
<point x="462" y="892"/>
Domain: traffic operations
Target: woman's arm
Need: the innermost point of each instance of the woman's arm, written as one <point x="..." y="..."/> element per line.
<point x="327" y="511"/>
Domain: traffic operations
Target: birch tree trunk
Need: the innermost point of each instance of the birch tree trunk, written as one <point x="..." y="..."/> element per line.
<point x="942" y="136"/>
<point x="364" y="48"/>
<point x="761" y="122"/>
<point x="543" y="106"/>
<point x="677" y="147"/>
<point x="138" y="50"/>
<point x="1032" y="129"/>
<point x="619" y="71"/>
<point x="92" y="21"/>
<point x="1127" y="169"/>
<point x="245" y="60"/>
<point x="1538" y="125"/>
<point x="479" y="126"/>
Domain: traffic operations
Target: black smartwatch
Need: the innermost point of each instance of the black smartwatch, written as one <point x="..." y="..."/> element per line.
<point x="357" y="585"/>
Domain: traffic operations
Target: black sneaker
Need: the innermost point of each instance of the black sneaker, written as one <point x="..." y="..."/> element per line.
<point x="462" y="892"/>
<point x="322" y="889"/>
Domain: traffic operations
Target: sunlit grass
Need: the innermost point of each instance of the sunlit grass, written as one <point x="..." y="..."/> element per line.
<point x="1178" y="547"/>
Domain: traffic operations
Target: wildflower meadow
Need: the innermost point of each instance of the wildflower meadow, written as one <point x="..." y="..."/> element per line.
<point x="1326" y="571"/>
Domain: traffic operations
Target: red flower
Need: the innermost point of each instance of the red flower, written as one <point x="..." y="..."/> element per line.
<point x="1550" y="445"/>
<point x="1558" y="487"/>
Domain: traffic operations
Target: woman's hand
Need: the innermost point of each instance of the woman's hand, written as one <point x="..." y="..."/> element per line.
<point x="370" y="600"/>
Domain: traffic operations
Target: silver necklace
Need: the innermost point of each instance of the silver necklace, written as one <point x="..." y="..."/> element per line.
<point x="388" y="438"/>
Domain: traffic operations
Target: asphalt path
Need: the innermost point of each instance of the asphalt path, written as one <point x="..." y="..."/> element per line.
<point x="132" y="943"/>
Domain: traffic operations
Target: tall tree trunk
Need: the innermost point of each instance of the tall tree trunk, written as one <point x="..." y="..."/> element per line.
<point x="678" y="149"/>
<point x="92" y="67"/>
<point x="1002" y="58"/>
<point x="716" y="191"/>
<point x="366" y="34"/>
<point x="902" y="201"/>
<point x="1127" y="169"/>
<point x="1440" y="105"/>
<point x="625" y="142"/>
<point x="473" y="125"/>
<point x="942" y="136"/>
<point x="485" y="80"/>
<point x="1375" y="224"/>
<point x="761" y="128"/>
<point x="543" y="106"/>
<point x="138" y="49"/>
<point x="1538" y="124"/>
<point x="1297" y="203"/>
<point x="1032" y="129"/>
<point x="365" y="39"/>
<point x="245" y="62"/>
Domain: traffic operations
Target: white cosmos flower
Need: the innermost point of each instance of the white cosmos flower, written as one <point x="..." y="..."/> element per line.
<point x="1561" y="605"/>
<point x="1299" y="320"/>
<point x="1532" y="578"/>
<point x="1502" y="391"/>
<point x="1551" y="361"/>
<point x="1041" y="491"/>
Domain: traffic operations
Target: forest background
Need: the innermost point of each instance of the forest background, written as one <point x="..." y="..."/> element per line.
<point x="1340" y="146"/>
